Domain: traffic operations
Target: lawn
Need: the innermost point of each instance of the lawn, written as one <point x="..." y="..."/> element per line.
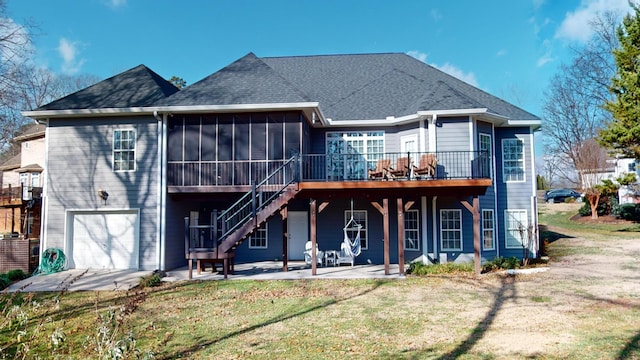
<point x="572" y="311"/>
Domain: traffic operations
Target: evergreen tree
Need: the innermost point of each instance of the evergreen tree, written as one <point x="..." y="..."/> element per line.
<point x="623" y="132"/>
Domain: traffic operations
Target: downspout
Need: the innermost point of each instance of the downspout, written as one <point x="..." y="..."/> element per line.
<point x="161" y="194"/>
<point x="434" y="230"/>
<point x="494" y="174"/>
<point x="534" y="198"/>
<point x="45" y="190"/>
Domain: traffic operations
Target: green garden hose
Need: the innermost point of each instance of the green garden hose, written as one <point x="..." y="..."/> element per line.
<point x="53" y="261"/>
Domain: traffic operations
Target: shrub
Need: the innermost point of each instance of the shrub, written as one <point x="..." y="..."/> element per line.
<point x="627" y="211"/>
<point x="17" y="274"/>
<point x="153" y="279"/>
<point x="419" y="268"/>
<point x="4" y="281"/>
<point x="501" y="263"/>
<point x="605" y="206"/>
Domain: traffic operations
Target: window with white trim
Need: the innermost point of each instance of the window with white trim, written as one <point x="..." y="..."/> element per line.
<point x="451" y="229"/>
<point x="259" y="239"/>
<point x="486" y="148"/>
<point x="359" y="218"/>
<point x="124" y="150"/>
<point x="512" y="160"/>
<point x="488" y="224"/>
<point x="411" y="230"/>
<point x="350" y="154"/>
<point x="516" y="228"/>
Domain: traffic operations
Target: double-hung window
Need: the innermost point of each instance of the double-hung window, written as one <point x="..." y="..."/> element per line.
<point x="451" y="230"/>
<point x="350" y="154"/>
<point x="512" y="160"/>
<point x="488" y="224"/>
<point x="259" y="239"/>
<point x="124" y="150"/>
<point x="411" y="230"/>
<point x="517" y="228"/>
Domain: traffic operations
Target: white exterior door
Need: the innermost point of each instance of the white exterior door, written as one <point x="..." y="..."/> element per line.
<point x="298" y="229"/>
<point x="103" y="239"/>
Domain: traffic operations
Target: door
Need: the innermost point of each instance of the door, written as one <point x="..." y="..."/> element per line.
<point x="103" y="239"/>
<point x="298" y="229"/>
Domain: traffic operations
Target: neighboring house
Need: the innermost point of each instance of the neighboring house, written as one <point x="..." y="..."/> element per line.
<point x="267" y="153"/>
<point x="20" y="196"/>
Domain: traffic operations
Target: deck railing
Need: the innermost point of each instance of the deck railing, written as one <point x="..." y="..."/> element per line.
<point x="332" y="167"/>
<point x="20" y="193"/>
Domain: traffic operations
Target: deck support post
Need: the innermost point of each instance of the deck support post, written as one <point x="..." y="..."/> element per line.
<point x="314" y="242"/>
<point x="384" y="210"/>
<point x="285" y="238"/>
<point x="475" y="211"/>
<point x="401" y="236"/>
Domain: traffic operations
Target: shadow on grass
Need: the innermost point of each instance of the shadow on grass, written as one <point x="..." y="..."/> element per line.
<point x="283" y="317"/>
<point x="631" y="350"/>
<point x="551" y="236"/>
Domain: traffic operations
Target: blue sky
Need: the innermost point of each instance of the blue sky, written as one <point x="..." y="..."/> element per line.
<point x="510" y="48"/>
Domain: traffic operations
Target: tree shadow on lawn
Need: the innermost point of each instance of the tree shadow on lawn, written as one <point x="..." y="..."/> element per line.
<point x="199" y="346"/>
<point x="551" y="236"/>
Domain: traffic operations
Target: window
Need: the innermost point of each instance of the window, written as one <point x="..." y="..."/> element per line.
<point x="485" y="148"/>
<point x="350" y="154"/>
<point x="516" y="228"/>
<point x="451" y="229"/>
<point x="488" y="242"/>
<point x="124" y="150"/>
<point x="359" y="217"/>
<point x="259" y="239"/>
<point x="512" y="160"/>
<point x="411" y="230"/>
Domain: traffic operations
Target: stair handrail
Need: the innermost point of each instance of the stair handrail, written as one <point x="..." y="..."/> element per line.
<point x="254" y="201"/>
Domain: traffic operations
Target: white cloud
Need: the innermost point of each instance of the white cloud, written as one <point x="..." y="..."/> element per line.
<point x="546" y="57"/>
<point x="576" y="24"/>
<point x="469" y="78"/>
<point x="436" y="15"/>
<point x="116" y="3"/>
<point x="418" y="55"/>
<point x="538" y="3"/>
<point x="68" y="51"/>
<point x="501" y="52"/>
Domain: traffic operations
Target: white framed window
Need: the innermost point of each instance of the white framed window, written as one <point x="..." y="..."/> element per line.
<point x="485" y="147"/>
<point x="411" y="230"/>
<point x="512" y="160"/>
<point x="516" y="228"/>
<point x="451" y="229"/>
<point x="124" y="150"/>
<point x="259" y="239"/>
<point x="488" y="225"/>
<point x="359" y="218"/>
<point x="351" y="154"/>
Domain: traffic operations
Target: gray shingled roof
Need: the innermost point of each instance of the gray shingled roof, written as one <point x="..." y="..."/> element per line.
<point x="347" y="87"/>
<point x="137" y="87"/>
<point x="248" y="80"/>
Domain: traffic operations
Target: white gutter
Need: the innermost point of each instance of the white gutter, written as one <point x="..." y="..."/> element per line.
<point x="168" y="109"/>
<point x="44" y="219"/>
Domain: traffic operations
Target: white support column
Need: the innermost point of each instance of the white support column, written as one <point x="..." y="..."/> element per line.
<point x="432" y="133"/>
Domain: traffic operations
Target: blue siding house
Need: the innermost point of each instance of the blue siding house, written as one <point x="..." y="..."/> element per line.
<point x="382" y="151"/>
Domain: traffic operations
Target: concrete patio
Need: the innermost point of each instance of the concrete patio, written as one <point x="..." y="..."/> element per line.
<point x="109" y="280"/>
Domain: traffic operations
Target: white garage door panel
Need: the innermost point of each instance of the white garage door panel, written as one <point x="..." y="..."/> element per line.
<point x="105" y="240"/>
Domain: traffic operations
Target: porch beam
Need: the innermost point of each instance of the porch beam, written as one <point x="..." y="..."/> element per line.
<point x="323" y="205"/>
<point x="384" y="210"/>
<point x="400" y="235"/>
<point x="285" y="237"/>
<point x="475" y="211"/>
<point x="313" y="210"/>
<point x="408" y="205"/>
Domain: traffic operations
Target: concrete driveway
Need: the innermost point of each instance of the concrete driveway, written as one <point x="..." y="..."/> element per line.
<point x="110" y="280"/>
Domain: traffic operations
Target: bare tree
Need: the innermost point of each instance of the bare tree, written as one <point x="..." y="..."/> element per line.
<point x="593" y="160"/>
<point x="573" y="106"/>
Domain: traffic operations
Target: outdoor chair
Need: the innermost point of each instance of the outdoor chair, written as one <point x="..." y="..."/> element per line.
<point x="308" y="255"/>
<point x="345" y="256"/>
<point x="380" y="171"/>
<point x="427" y="166"/>
<point x="401" y="170"/>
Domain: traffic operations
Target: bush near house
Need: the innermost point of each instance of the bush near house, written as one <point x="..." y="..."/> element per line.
<point x="629" y="212"/>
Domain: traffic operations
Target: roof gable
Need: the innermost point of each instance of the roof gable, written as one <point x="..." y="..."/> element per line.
<point x="248" y="80"/>
<point x="136" y="87"/>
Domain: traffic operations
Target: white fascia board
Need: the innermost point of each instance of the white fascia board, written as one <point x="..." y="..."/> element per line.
<point x="466" y="112"/>
<point x="39" y="114"/>
<point x="389" y="121"/>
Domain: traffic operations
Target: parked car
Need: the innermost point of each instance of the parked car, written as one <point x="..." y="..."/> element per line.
<point x="561" y="195"/>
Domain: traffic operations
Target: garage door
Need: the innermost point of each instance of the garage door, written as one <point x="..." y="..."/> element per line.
<point x="104" y="240"/>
